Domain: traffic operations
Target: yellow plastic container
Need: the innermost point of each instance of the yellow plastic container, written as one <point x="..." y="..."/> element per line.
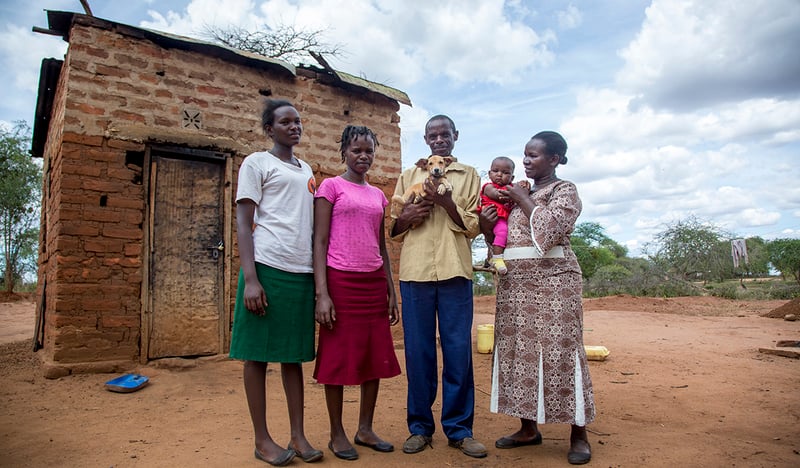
<point x="596" y="353"/>
<point x="485" y="338"/>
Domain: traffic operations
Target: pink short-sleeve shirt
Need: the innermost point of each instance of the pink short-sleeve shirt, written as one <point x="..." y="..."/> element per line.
<point x="356" y="217"/>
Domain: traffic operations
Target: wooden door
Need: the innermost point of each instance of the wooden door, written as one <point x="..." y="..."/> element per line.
<point x="186" y="261"/>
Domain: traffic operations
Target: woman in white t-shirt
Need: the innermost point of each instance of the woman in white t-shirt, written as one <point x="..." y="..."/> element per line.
<point x="274" y="311"/>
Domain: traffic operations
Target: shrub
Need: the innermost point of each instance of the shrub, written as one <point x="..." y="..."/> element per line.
<point x="727" y="291"/>
<point x="608" y="280"/>
<point x="783" y="291"/>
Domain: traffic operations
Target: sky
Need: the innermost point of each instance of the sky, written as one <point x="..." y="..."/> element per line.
<point x="671" y="108"/>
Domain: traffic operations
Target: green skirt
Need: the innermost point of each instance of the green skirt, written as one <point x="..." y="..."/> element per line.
<point x="285" y="333"/>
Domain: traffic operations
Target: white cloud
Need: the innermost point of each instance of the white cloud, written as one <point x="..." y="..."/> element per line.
<point x="202" y="13"/>
<point x="784" y="136"/>
<point x="392" y="41"/>
<point x="759" y="217"/>
<point x="21" y="54"/>
<point x="412" y="128"/>
<point x="691" y="54"/>
<point x="601" y="113"/>
<point x="518" y="9"/>
<point x="643" y="163"/>
<point x="473" y="41"/>
<point x="26" y="65"/>
<point x="569" y="18"/>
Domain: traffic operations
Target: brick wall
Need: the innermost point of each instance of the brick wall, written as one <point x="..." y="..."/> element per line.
<point x="117" y="94"/>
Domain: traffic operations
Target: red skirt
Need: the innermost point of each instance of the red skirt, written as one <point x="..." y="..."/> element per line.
<point x="359" y="348"/>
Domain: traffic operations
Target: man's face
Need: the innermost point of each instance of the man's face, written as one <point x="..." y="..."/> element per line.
<point x="441" y="138"/>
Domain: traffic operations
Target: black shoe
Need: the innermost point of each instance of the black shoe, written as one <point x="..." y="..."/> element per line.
<point x="283" y="459"/>
<point x="381" y="446"/>
<point x="311" y="456"/>
<point x="349" y="454"/>
<point x="507" y="442"/>
<point x="579" y="458"/>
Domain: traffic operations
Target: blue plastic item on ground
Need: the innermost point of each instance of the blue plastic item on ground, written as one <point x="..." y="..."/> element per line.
<point x="127" y="383"/>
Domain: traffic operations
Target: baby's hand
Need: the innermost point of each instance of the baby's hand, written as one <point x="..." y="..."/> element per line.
<point x="525" y="184"/>
<point x="502" y="195"/>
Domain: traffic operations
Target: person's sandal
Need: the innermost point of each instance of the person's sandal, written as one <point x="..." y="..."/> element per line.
<point x="416" y="443"/>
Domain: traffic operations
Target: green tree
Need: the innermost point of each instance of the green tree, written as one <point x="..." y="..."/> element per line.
<point x="757" y="256"/>
<point x="609" y="279"/>
<point x="784" y="255"/>
<point x="691" y="249"/>
<point x="593" y="248"/>
<point x="722" y="268"/>
<point x="20" y="181"/>
<point x="595" y="236"/>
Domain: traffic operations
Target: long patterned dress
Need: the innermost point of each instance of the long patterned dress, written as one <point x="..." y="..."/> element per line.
<point x="540" y="367"/>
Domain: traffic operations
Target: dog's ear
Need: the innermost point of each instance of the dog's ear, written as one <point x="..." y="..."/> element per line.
<point x="447" y="161"/>
<point x="422" y="163"/>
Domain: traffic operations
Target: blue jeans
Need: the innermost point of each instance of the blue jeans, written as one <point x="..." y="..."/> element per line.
<point x="451" y="302"/>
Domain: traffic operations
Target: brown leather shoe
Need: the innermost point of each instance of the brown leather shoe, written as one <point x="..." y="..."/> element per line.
<point x="469" y="446"/>
<point x="416" y="443"/>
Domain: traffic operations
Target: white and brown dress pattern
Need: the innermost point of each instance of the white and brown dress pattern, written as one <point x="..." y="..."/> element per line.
<point x="540" y="368"/>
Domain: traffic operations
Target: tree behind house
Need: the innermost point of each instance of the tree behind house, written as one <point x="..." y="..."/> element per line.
<point x="784" y="255"/>
<point x="20" y="182"/>
<point x="283" y="42"/>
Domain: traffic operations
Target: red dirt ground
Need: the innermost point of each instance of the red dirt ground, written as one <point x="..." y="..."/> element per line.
<point x="684" y="385"/>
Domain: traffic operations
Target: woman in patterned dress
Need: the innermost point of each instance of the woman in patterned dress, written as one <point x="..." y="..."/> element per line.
<point x="540" y="372"/>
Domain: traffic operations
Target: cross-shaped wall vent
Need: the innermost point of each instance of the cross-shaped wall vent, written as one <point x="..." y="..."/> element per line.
<point x="193" y="119"/>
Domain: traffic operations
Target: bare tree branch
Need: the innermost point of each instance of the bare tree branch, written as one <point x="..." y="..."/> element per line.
<point x="284" y="42"/>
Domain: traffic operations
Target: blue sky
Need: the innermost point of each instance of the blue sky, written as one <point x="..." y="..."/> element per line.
<point x="671" y="108"/>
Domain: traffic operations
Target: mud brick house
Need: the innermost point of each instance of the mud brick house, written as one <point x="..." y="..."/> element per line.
<point x="141" y="135"/>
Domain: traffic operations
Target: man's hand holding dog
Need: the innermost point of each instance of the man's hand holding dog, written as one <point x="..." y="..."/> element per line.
<point x="413" y="214"/>
<point x="445" y="200"/>
<point x="432" y="194"/>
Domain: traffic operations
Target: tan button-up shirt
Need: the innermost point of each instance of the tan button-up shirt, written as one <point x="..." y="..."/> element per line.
<point x="440" y="249"/>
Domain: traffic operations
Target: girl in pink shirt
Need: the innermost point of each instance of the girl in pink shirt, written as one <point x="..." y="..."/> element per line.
<point x="355" y="297"/>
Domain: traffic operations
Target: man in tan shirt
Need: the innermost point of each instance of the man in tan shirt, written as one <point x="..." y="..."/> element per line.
<point x="436" y="286"/>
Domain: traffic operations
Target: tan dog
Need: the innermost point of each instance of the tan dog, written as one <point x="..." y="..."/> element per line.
<point x="435" y="165"/>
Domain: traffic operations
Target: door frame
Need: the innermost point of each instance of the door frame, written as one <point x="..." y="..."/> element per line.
<point x="148" y="179"/>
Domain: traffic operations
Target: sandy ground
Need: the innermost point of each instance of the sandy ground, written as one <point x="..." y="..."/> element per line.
<point x="684" y="385"/>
